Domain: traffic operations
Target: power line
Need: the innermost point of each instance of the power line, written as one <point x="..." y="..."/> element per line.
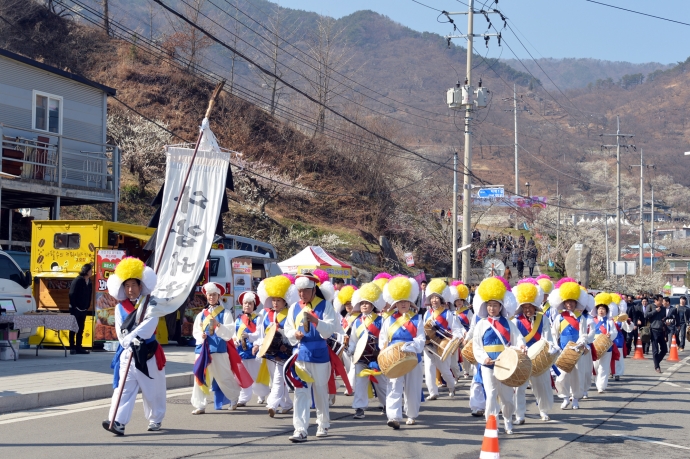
<point x="638" y="12"/>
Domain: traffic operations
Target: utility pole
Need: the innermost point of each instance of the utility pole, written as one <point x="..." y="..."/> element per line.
<point x="606" y="243"/>
<point x="455" y="215"/>
<point x="466" y="101"/>
<point x="641" y="166"/>
<point x="651" y="237"/>
<point x="618" y="146"/>
<point x="517" y="172"/>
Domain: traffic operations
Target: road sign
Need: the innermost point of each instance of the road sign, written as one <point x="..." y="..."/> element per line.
<point x="623" y="268"/>
<point x="490" y="193"/>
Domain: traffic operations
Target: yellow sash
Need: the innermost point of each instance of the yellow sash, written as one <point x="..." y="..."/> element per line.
<point x="494" y="348"/>
<point x="460" y="311"/>
<point x="535" y="327"/>
<point x="278" y="318"/>
<point x="212" y="315"/>
<point x="306" y="309"/>
<point x="365" y="324"/>
<point x="243" y="327"/>
<point x="398" y="323"/>
<point x="564" y="323"/>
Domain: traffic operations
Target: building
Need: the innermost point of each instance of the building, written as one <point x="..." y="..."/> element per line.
<point x="53" y="130"/>
<point x="678" y="268"/>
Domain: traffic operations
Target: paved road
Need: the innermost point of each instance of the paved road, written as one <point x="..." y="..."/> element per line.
<point x="644" y="415"/>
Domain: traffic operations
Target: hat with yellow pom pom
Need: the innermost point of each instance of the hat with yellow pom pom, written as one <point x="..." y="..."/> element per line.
<point x="277" y="287"/>
<point x="439" y="288"/>
<point x="494" y="289"/>
<point x="603" y="299"/>
<point x="131" y="268"/>
<point x="401" y="289"/>
<point x="568" y="289"/>
<point x="528" y="293"/>
<point x="458" y="291"/>
<point x="370" y="293"/>
<point x="343" y="296"/>
<point x="545" y="283"/>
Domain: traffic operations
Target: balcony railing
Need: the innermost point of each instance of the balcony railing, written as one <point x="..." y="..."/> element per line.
<point x="58" y="160"/>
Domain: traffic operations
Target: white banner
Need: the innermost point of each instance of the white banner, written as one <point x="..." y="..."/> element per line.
<point x="192" y="232"/>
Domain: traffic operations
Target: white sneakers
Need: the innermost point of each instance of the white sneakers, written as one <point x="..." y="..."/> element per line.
<point x="508" y="425"/>
<point x="544" y="417"/>
<point x="410" y="422"/>
<point x="576" y="406"/>
<point x="431" y="397"/>
<point x="199" y="411"/>
<point x="322" y="432"/>
<point x="564" y="405"/>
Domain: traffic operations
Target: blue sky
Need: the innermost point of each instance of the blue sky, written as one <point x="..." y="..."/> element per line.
<point x="555" y="28"/>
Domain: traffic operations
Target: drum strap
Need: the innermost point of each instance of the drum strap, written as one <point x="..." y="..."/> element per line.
<point x="532" y="327"/>
<point x="369" y="324"/>
<point x="209" y="315"/>
<point x="463" y="317"/>
<point x="280" y="317"/>
<point x="571" y="320"/>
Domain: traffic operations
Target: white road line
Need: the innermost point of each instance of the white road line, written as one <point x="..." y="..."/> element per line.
<point x="61" y="410"/>
<point x="672" y="384"/>
<point x="646" y="440"/>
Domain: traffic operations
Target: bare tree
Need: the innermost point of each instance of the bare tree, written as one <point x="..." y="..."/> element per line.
<point x="186" y="39"/>
<point x="279" y="35"/>
<point x="106" y="19"/>
<point x="330" y="55"/>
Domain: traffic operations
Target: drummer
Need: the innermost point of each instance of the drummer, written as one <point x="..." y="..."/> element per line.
<point x="463" y="312"/>
<point x="617" y="309"/>
<point x="276" y="293"/>
<point x="546" y="286"/>
<point x="342" y="302"/>
<point x="603" y="324"/>
<point x="585" y="363"/>
<point x="570" y="325"/>
<point x="403" y="326"/>
<point x="367" y="327"/>
<point x="534" y="326"/>
<point x="214" y="327"/>
<point x="494" y="303"/>
<point x="445" y="324"/>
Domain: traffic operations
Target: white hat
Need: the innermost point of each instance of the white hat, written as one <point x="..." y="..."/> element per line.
<point x="494" y="289"/>
<point x="131" y="268"/>
<point x="369" y="292"/>
<point x="400" y="289"/>
<point x="277" y="287"/>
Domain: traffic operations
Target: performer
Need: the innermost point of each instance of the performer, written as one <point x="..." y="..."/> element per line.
<point x="546" y="286"/>
<point x="570" y="325"/>
<point x="463" y="311"/>
<point x="586" y="363"/>
<point x="343" y="306"/>
<point x="247" y="332"/>
<point x="443" y="322"/>
<point x="620" y="351"/>
<point x="275" y="293"/>
<point x="310" y="322"/>
<point x="213" y="328"/>
<point x="477" y="399"/>
<point x="494" y="303"/>
<point x="534" y="326"/>
<point x="603" y="324"/>
<point x="130" y="284"/>
<point x="404" y="325"/>
<point x="367" y="327"/>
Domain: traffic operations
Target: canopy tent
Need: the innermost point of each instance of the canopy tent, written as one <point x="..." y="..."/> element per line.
<point x="314" y="257"/>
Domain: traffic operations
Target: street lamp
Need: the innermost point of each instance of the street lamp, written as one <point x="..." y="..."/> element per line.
<point x="528" y="187"/>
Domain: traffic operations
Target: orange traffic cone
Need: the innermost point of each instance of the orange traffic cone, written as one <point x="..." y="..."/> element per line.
<point x="639" y="352"/>
<point x="673" y="356"/>
<point x="490" y="444"/>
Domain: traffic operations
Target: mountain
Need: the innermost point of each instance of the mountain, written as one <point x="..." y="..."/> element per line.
<point x="576" y="73"/>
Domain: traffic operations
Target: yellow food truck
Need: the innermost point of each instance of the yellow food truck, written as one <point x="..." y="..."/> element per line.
<point x="59" y="249"/>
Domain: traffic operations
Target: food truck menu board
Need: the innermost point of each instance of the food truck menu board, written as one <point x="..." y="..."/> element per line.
<point x="106" y="260"/>
<point x="241" y="280"/>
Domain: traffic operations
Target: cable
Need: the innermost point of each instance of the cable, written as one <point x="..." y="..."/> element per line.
<point x="430" y="7"/>
<point x="638" y="12"/>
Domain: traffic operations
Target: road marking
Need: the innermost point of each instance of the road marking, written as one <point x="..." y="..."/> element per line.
<point x="672" y="384"/>
<point x="646" y="440"/>
<point x="61" y="410"/>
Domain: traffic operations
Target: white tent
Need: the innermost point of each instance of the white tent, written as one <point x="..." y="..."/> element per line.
<point x="314" y="257"/>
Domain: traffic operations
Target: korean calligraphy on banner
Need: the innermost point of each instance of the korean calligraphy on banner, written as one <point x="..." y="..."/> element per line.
<point x="192" y="231"/>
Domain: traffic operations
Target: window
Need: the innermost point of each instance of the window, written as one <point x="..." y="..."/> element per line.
<point x="47" y="112"/>
<point x="9" y="271"/>
<point x="216" y="267"/>
<point x="243" y="246"/>
<point x="66" y="240"/>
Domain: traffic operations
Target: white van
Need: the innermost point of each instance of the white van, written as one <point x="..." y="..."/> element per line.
<point x="15" y="285"/>
<point x="238" y="271"/>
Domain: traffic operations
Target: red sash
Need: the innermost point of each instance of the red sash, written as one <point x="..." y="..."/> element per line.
<point x="463" y="317"/>
<point x="271" y="315"/>
<point x="128" y="306"/>
<point x="602" y="329"/>
<point x="571" y="320"/>
<point x="373" y="329"/>
<point x="501" y="329"/>
<point x="251" y="326"/>
<point x="409" y="326"/>
<point x="441" y="321"/>
<point x="528" y="326"/>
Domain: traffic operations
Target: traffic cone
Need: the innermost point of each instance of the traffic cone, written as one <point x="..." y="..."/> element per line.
<point x="490" y="444"/>
<point x="673" y="356"/>
<point x="639" y="352"/>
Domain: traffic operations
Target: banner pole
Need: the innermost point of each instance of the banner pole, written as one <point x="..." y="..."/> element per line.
<point x="211" y="103"/>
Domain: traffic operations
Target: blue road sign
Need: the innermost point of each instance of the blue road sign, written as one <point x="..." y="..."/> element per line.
<point x="490" y="193"/>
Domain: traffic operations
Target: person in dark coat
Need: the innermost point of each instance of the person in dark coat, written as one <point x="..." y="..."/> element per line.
<point x="683" y="319"/>
<point x="80" y="293"/>
<point x="656" y="315"/>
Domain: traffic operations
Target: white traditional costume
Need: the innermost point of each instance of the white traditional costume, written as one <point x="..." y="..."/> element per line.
<point x="247" y="332"/>
<point x="617" y="308"/>
<point x="464" y="315"/>
<point x="403" y="328"/>
<point x="491" y="336"/>
<point x="570" y="326"/>
<point x="441" y="321"/>
<point x="533" y="329"/>
<point x="269" y="290"/>
<point x="147" y="371"/>
<point x="367" y="327"/>
<point x="602" y="325"/>
<point x="341" y="300"/>
<point x="312" y="361"/>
